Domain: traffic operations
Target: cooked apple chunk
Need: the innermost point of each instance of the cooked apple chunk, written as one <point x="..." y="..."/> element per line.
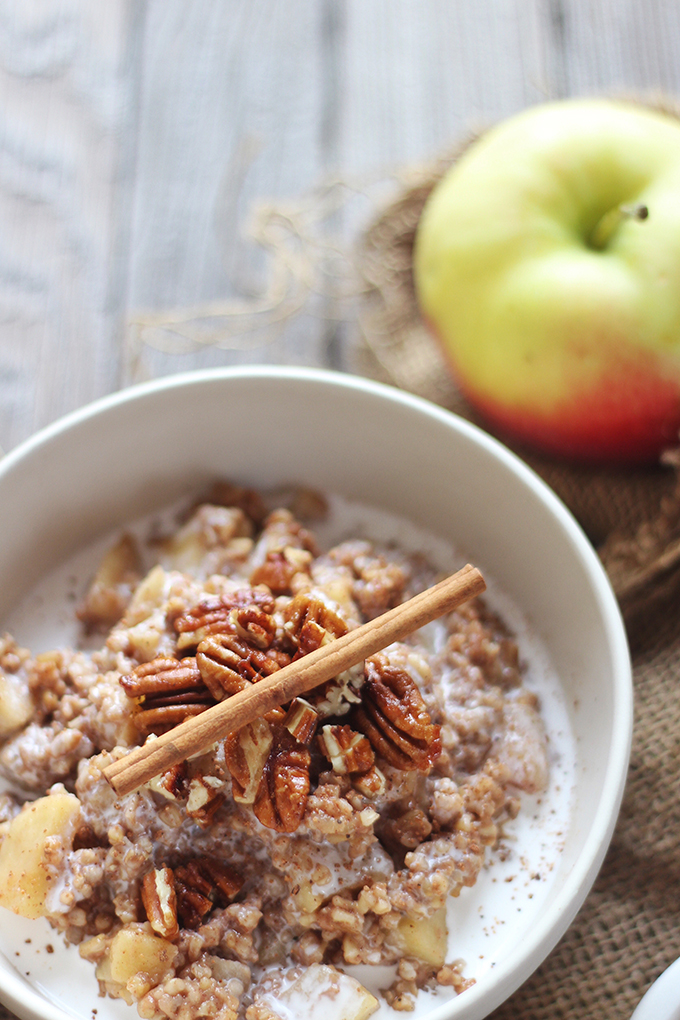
<point x="110" y="592"/>
<point x="16" y="707"/>
<point x="324" y="993"/>
<point x="137" y="950"/>
<point x="425" y="938"/>
<point x="24" y="878"/>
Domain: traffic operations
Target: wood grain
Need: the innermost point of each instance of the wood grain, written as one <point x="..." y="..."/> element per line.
<point x="66" y="91"/>
<point x="138" y="141"/>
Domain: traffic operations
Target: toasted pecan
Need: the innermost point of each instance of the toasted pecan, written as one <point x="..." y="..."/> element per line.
<point x="281" y="797"/>
<point x="394" y="717"/>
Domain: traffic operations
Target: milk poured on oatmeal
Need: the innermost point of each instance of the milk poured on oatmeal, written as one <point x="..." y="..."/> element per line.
<point x="513" y="888"/>
<point x="513" y="885"/>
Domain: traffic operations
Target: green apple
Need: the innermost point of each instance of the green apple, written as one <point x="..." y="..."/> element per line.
<point x="547" y="262"/>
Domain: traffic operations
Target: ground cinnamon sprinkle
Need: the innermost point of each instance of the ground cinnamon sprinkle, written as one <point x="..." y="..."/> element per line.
<point x="332" y="831"/>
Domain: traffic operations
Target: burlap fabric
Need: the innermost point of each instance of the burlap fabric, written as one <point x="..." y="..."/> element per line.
<point x="629" y="928"/>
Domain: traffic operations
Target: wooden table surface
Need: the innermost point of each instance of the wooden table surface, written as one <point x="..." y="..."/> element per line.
<point x="178" y="177"/>
<point x="144" y="142"/>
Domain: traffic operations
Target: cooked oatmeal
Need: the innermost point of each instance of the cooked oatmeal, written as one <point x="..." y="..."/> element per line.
<point x="329" y="833"/>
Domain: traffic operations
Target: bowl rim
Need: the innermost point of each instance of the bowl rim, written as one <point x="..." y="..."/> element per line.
<point x="661" y="1001"/>
<point x="28" y="1003"/>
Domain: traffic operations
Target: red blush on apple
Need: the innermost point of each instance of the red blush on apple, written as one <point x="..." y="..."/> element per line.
<point x="629" y="417"/>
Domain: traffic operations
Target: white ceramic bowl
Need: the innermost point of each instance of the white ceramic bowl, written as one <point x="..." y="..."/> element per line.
<point x="662" y="1000"/>
<point x="137" y="450"/>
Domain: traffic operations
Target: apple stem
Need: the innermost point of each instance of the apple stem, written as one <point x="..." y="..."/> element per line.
<point x="605" y="228"/>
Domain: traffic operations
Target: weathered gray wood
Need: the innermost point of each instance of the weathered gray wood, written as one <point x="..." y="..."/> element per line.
<point x="613" y="47"/>
<point x="232" y="107"/>
<point x="414" y="84"/>
<point x="138" y="137"/>
<point x="67" y="82"/>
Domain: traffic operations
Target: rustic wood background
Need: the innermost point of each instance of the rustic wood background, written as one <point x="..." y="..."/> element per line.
<point x="139" y="137"/>
<point x="180" y="180"/>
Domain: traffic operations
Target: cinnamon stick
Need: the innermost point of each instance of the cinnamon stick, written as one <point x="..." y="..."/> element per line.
<point x="200" y="732"/>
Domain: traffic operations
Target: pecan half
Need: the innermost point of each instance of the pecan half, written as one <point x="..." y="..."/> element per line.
<point x="160" y="901"/>
<point x="213" y="615"/>
<point x="283" y="554"/>
<point x="193" y="895"/>
<point x="254" y="625"/>
<point x="167" y="691"/>
<point x="346" y="750"/>
<point x="201" y="884"/>
<point x="226" y="881"/>
<point x="163" y="675"/>
<point x="245" y="753"/>
<point x="279" y="569"/>
<point x="227" y="664"/>
<point x="309" y="622"/>
<point x="394" y="717"/>
<point x="161" y="718"/>
<point x="281" y="798"/>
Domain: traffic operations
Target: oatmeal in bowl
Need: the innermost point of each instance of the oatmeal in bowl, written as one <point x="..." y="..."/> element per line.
<point x="330" y="832"/>
<point x="349" y="852"/>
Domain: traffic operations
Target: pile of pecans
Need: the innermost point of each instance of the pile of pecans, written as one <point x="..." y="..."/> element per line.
<point x="229" y="641"/>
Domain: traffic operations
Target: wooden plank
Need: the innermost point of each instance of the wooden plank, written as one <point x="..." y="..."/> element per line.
<point x="613" y="47"/>
<point x="419" y="77"/>
<point x="122" y="190"/>
<point x="231" y="114"/>
<point x="65" y="82"/>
